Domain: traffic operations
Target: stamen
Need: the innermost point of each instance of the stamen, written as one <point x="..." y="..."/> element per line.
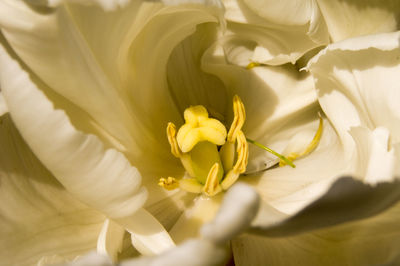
<point x="313" y="144"/>
<point x="229" y="179"/>
<point x="169" y="183"/>
<point x="238" y="120"/>
<point x="243" y="153"/>
<point x="252" y="65"/>
<point x="212" y="187"/>
<point x="242" y="150"/>
<point x="280" y="156"/>
<point x="171" y="134"/>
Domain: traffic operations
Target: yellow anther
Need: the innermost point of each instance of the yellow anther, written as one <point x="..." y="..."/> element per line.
<point x="171" y="134"/>
<point x="169" y="183"/>
<point x="252" y="65"/>
<point x="238" y="120"/>
<point x="310" y="147"/>
<point x="212" y="187"/>
<point x="242" y="150"/>
<point x="229" y="179"/>
<point x="199" y="127"/>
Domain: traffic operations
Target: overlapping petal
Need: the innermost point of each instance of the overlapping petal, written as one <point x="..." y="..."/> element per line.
<point x="351" y="18"/>
<point x="40" y="220"/>
<point x="358" y="84"/>
<point x="346" y="76"/>
<point x="274" y="33"/>
<point x="371" y="241"/>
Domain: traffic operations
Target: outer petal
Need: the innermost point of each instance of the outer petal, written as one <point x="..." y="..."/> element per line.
<point x="237" y="210"/>
<point x="3" y="105"/>
<point x="358" y="84"/>
<point x="351" y="18"/>
<point x="102" y="178"/>
<point x="372" y="241"/>
<point x="278" y="36"/>
<point x="77" y="51"/>
<point x="39" y="219"/>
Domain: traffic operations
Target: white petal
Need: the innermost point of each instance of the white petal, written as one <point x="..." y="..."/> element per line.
<point x="375" y="162"/>
<point x="195" y="252"/>
<point x="148" y="236"/>
<point x="187" y="82"/>
<point x="372" y="241"/>
<point x="290" y="189"/>
<point x="238" y="209"/>
<point x="77" y="51"/>
<point x="358" y="84"/>
<point x="346" y="19"/>
<point x="107" y="5"/>
<point x="103" y="179"/>
<point x="201" y="211"/>
<point x="3" y="105"/>
<point x="39" y="219"/>
<point x="110" y="239"/>
<point x="346" y="200"/>
<point x="283" y="12"/>
<point x="92" y="259"/>
<point x="279" y="102"/>
<point x="53" y="45"/>
<point x="281" y="37"/>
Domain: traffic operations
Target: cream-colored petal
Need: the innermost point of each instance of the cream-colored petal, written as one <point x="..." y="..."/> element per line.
<point x="283" y="12"/>
<point x="104" y="179"/>
<point x="375" y="160"/>
<point x="108" y="5"/>
<point x="290" y="189"/>
<point x="54" y="44"/>
<point x="279" y="36"/>
<point x="77" y="51"/>
<point x="188" y="83"/>
<point x="40" y="220"/>
<point x="201" y="211"/>
<point x="358" y="84"/>
<point x="351" y="18"/>
<point x="3" y="105"/>
<point x="346" y="200"/>
<point x="194" y="252"/>
<point x="279" y="103"/>
<point x="148" y="236"/>
<point x="238" y="209"/>
<point x="110" y="239"/>
<point x="371" y="241"/>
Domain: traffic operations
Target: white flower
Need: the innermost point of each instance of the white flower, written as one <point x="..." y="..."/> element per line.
<point x="91" y="93"/>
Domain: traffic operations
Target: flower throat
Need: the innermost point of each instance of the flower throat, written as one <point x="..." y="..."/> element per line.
<point x="213" y="157"/>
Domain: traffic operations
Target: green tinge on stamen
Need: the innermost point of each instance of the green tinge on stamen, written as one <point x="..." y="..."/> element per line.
<point x="280" y="156"/>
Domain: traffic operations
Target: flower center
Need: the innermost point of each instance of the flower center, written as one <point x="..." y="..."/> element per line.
<point x="213" y="158"/>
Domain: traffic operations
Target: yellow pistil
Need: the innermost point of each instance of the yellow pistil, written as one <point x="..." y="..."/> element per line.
<point x="311" y="146"/>
<point x="197" y="145"/>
